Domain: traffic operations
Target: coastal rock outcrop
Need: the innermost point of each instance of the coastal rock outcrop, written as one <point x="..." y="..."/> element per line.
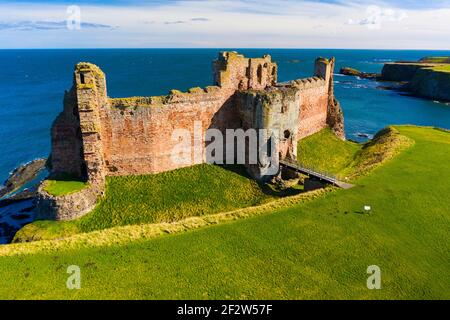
<point x="356" y="73"/>
<point x="22" y="175"/>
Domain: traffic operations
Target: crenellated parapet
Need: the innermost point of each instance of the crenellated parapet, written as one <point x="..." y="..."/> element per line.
<point x="232" y="70"/>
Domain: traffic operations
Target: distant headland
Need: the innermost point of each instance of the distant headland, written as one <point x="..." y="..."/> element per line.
<point x="427" y="78"/>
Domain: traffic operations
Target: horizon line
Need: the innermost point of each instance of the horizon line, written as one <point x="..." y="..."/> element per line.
<point x="225" y="48"/>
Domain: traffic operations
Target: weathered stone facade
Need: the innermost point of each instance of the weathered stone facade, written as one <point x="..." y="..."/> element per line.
<point x="66" y="207"/>
<point x="96" y="136"/>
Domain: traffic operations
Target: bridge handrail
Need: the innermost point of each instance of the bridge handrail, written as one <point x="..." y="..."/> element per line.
<point x="313" y="171"/>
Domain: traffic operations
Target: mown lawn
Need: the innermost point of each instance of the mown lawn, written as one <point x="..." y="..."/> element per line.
<point x="318" y="249"/>
<point x="165" y="197"/>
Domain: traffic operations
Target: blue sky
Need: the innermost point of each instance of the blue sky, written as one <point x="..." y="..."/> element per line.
<point x="227" y="23"/>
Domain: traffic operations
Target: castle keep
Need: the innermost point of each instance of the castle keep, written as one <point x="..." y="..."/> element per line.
<point x="96" y="136"/>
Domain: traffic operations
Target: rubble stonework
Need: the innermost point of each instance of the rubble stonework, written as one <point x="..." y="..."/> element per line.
<point x="96" y="136"/>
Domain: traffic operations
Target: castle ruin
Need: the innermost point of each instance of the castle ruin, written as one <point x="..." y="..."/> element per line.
<point x="96" y="136"/>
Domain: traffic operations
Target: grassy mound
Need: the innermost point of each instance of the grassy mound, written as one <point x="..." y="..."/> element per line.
<point x="385" y="145"/>
<point x="164" y="197"/>
<point x="345" y="159"/>
<point x="325" y="152"/>
<point x="317" y="249"/>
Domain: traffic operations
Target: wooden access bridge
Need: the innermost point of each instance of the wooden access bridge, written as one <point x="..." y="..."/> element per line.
<point x="315" y="174"/>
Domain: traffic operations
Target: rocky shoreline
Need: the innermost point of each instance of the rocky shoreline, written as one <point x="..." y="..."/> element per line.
<point x="17" y="207"/>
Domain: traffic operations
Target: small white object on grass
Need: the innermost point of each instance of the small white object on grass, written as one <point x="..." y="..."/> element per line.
<point x="367" y="208"/>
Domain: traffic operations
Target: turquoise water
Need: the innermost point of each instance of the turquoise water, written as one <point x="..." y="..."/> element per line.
<point x="32" y="83"/>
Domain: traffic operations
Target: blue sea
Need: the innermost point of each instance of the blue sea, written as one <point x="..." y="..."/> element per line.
<point x="32" y="84"/>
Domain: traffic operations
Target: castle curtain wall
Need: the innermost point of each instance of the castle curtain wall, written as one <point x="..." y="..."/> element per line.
<point x="139" y="140"/>
<point x="125" y="136"/>
<point x="313" y="110"/>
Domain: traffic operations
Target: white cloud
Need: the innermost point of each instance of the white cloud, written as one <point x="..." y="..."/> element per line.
<point x="237" y="23"/>
<point x="46" y="25"/>
<point x="375" y="16"/>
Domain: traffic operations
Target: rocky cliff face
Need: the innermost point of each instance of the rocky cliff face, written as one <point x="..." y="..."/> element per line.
<point x="423" y="80"/>
<point x="399" y="71"/>
<point x="335" y="115"/>
<point x="335" y="118"/>
<point x="431" y="84"/>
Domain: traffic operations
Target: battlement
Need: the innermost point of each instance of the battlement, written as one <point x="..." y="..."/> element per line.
<point x="232" y="70"/>
<point x="196" y="94"/>
<point x="96" y="136"/>
<point x="307" y="83"/>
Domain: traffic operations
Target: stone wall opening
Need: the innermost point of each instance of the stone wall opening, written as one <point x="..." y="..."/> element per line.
<point x="259" y="74"/>
<point x="82" y="79"/>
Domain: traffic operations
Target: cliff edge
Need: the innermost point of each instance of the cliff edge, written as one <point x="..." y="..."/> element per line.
<point x="424" y="78"/>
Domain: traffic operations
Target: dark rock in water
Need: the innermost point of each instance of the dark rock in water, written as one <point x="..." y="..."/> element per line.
<point x="21" y="216"/>
<point x="356" y="73"/>
<point x="14" y="214"/>
<point x="21" y="176"/>
<point x="350" y="72"/>
<point x="398" y="86"/>
<point x="18" y="209"/>
<point x="363" y="135"/>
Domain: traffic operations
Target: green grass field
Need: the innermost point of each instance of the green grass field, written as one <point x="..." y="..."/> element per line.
<point x="311" y="250"/>
<point x="164" y="197"/>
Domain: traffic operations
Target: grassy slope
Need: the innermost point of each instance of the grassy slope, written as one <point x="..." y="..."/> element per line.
<point x="325" y="152"/>
<point x="319" y="249"/>
<point x="165" y="197"/>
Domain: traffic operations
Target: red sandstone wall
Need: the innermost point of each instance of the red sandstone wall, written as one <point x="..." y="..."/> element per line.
<point x="139" y="140"/>
<point x="66" y="139"/>
<point x="313" y="111"/>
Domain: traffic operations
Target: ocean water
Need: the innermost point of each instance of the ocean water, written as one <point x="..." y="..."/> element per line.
<point x="32" y="83"/>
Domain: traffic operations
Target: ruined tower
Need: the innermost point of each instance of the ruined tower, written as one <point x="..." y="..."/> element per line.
<point x="76" y="134"/>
